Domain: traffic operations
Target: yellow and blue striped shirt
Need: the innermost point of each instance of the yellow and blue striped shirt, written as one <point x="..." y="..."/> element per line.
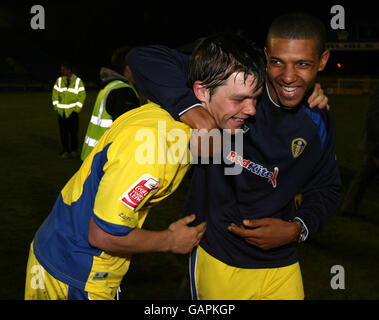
<point x="138" y="162"/>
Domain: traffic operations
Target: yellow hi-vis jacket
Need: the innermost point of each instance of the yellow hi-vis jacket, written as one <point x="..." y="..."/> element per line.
<point x="67" y="99"/>
<point x="101" y="120"/>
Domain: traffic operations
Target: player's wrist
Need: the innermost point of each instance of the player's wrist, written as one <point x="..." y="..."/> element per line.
<point x="170" y="241"/>
<point x="198" y="118"/>
<point x="296" y="225"/>
<point x="301" y="231"/>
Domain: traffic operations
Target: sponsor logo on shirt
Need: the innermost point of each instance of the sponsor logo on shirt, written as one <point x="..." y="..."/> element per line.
<point x="255" y="168"/>
<point x="297" y="146"/>
<point x="100" y="275"/>
<point x="139" y="190"/>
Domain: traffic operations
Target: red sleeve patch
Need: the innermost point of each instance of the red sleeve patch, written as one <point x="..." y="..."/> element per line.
<point x="139" y="190"/>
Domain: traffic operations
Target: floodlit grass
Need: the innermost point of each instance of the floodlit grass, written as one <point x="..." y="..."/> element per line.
<point x="32" y="175"/>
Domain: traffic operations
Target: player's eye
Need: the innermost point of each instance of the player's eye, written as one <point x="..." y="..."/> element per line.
<point x="275" y="62"/>
<point x="302" y="64"/>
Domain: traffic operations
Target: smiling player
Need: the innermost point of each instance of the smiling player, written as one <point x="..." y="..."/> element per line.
<point x="253" y="225"/>
<point x="293" y="61"/>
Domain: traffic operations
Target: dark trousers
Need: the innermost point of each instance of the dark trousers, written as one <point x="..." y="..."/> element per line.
<point x="363" y="178"/>
<point x="68" y="130"/>
<point x="184" y="291"/>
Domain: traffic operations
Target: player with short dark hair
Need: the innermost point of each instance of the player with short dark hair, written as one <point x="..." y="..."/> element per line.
<point x="212" y="54"/>
<point x="306" y="27"/>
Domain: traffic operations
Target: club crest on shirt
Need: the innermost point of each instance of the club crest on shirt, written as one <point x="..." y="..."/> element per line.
<point x="297" y="147"/>
<point x="139" y="190"/>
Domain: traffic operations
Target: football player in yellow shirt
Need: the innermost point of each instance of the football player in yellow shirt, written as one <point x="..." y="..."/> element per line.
<point x="83" y="248"/>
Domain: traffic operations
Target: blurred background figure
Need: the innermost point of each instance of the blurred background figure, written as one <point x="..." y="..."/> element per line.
<point x="368" y="172"/>
<point x="68" y="98"/>
<point x="117" y="96"/>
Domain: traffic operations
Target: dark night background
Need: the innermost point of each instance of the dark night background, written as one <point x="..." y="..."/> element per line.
<point x="87" y="32"/>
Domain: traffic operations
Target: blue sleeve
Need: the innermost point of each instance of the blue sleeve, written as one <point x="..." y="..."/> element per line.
<point x="322" y="193"/>
<point x="161" y="74"/>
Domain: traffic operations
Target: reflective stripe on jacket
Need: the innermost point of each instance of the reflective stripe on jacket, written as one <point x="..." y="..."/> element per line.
<point x="67" y="99"/>
<point x="100" y="120"/>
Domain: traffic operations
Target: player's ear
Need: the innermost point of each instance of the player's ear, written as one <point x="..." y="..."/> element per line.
<point x="200" y="91"/>
<point x="128" y="74"/>
<point x="324" y="60"/>
<point x="266" y="52"/>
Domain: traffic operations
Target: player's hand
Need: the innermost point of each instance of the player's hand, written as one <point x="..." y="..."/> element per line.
<point x="203" y="142"/>
<point x="318" y="98"/>
<point x="267" y="233"/>
<point x="198" y="118"/>
<point x="183" y="237"/>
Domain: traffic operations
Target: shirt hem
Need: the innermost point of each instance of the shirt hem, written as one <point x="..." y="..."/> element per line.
<point x="255" y="264"/>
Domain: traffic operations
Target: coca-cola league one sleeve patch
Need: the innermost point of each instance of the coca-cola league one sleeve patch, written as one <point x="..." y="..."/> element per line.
<point x="139" y="191"/>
